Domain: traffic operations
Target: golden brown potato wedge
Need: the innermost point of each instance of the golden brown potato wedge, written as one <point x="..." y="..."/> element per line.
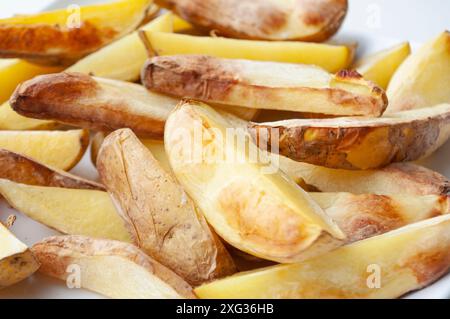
<point x="264" y="85"/>
<point x="381" y="66"/>
<point x="11" y="120"/>
<point x="359" y="143"/>
<point x="24" y="170"/>
<point x="266" y="215"/>
<point x="17" y="262"/>
<point x="65" y="36"/>
<point x="59" y="149"/>
<point x="165" y="223"/>
<point x="69" y="211"/>
<point x="386" y="266"/>
<point x="423" y="79"/>
<point x="111" y="268"/>
<point x="309" y="20"/>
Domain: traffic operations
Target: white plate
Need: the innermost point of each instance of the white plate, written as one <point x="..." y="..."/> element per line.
<point x="375" y="25"/>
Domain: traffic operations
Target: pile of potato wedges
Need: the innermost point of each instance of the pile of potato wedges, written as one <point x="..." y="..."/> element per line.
<point x="239" y="154"/>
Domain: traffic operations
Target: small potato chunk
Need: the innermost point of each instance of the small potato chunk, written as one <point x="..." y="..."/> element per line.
<point x="111" y="268"/>
<point x="17" y="262"/>
<point x="386" y="266"/>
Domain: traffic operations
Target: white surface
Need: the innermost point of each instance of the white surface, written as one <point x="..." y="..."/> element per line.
<point x="374" y="24"/>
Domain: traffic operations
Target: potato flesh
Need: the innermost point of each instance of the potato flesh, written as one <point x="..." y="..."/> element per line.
<point x="10" y="120"/>
<point x="70" y="211"/>
<point x="409" y="259"/>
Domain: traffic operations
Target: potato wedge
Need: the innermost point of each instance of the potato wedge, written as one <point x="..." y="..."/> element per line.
<point x="423" y="79"/>
<point x="10" y="120"/>
<point x="59" y="149"/>
<point x="264" y="85"/>
<point x="359" y="143"/>
<point x="24" y="170"/>
<point x="100" y="262"/>
<point x="123" y="59"/>
<point x="164" y="221"/>
<point x="265" y="19"/>
<point x="381" y="66"/>
<point x="265" y="215"/>
<point x="69" y="34"/>
<point x="404" y="260"/>
<point x="69" y="211"/>
<point x="17" y="262"/>
<point x="332" y="58"/>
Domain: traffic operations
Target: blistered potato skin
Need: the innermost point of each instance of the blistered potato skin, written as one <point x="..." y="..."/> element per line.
<point x="160" y="216"/>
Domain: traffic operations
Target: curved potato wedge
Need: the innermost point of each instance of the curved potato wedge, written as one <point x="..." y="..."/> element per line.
<point x="59" y="149"/>
<point x="99" y="263"/>
<point x="381" y="66"/>
<point x="310" y="20"/>
<point x="423" y="79"/>
<point x="359" y="143"/>
<point x="264" y="85"/>
<point x="164" y="221"/>
<point x="10" y="120"/>
<point x="17" y="262"/>
<point x="24" y="170"/>
<point x="69" y="211"/>
<point x="332" y="58"/>
<point x="386" y="266"/>
<point x="258" y="212"/>
<point x="69" y="34"/>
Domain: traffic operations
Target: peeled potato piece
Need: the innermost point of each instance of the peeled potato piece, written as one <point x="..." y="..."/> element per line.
<point x="59" y="149"/>
<point x="17" y="262"/>
<point x="264" y="85"/>
<point x="423" y="79"/>
<point x="359" y="143"/>
<point x="111" y="268"/>
<point x="386" y="266"/>
<point x="164" y="221"/>
<point x="22" y="169"/>
<point x="10" y="120"/>
<point x="65" y="36"/>
<point x="381" y="66"/>
<point x="309" y="20"/>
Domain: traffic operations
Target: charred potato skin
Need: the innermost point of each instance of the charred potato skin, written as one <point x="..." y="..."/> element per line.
<point x="177" y="235"/>
<point x="263" y="20"/>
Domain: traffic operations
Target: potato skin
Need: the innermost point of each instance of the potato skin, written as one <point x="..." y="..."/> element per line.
<point x="308" y="20"/>
<point x="161" y="217"/>
<point x="17" y="268"/>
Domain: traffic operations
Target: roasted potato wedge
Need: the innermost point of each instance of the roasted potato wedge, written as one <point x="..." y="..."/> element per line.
<point x="24" y="170"/>
<point x="423" y="79"/>
<point x="17" y="262"/>
<point x="264" y="85"/>
<point x="265" y="215"/>
<point x="381" y="66"/>
<point x="165" y="223"/>
<point x="11" y="120"/>
<point x="62" y="37"/>
<point x="59" y="149"/>
<point x="265" y="19"/>
<point x="69" y="211"/>
<point x="100" y="263"/>
<point x="404" y="260"/>
<point x="359" y="143"/>
<point x="332" y="58"/>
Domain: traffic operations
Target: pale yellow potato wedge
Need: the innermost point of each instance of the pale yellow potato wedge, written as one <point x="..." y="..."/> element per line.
<point x="308" y="20"/>
<point x="266" y="215"/>
<point x="358" y="143"/>
<point x="381" y="66"/>
<point x="17" y="262"/>
<point x="332" y="58"/>
<point x="69" y="211"/>
<point x="10" y="120"/>
<point x="59" y="149"/>
<point x="405" y="260"/>
<point x="69" y="34"/>
<point x="423" y="79"/>
<point x="264" y="85"/>
<point x="165" y="223"/>
<point x="111" y="268"/>
<point x="123" y="59"/>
